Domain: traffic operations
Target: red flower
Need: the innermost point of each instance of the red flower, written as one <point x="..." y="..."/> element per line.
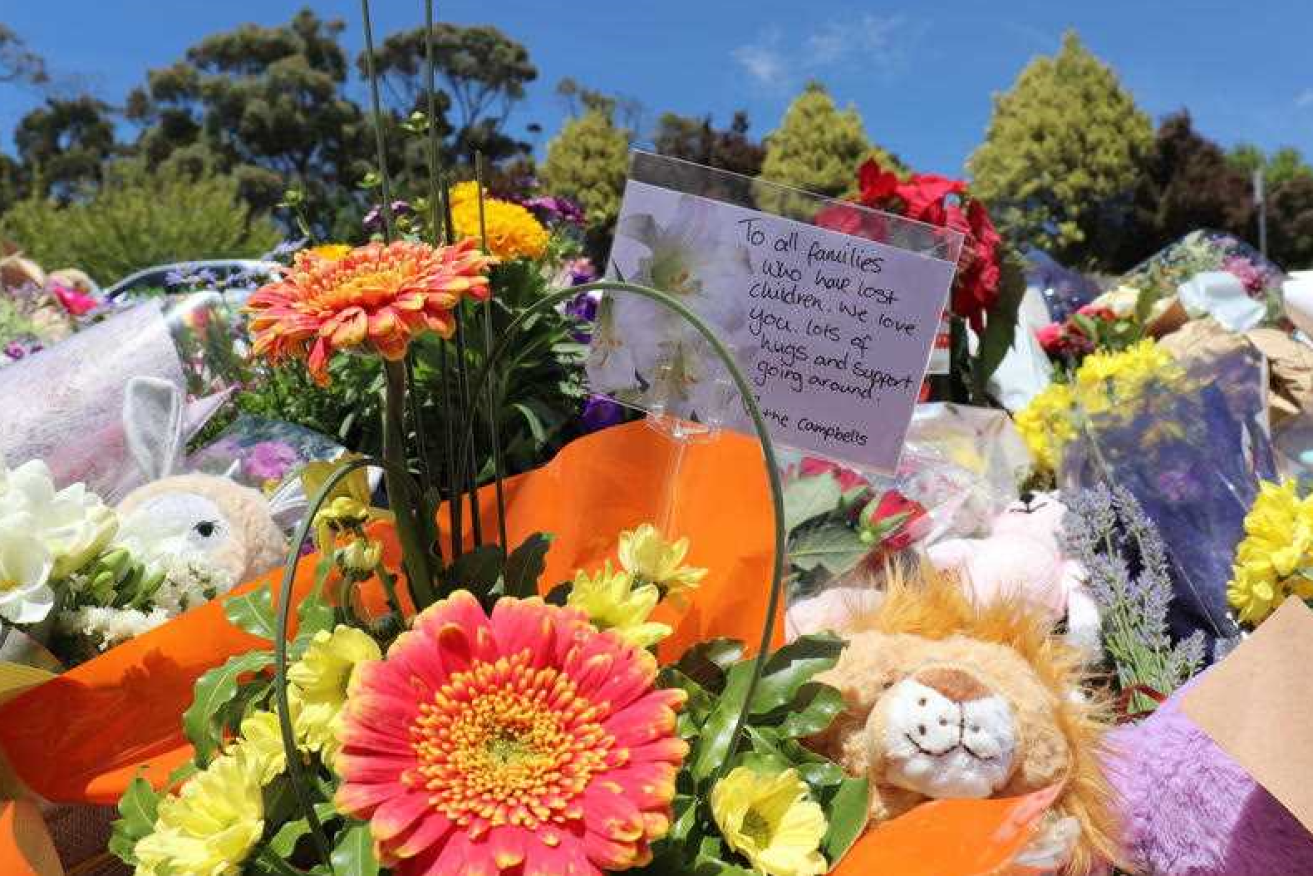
<point x="877" y="185"/>
<point x="847" y="478"/>
<point x="75" y="302"/>
<point x="1102" y="312"/>
<point x="888" y="522"/>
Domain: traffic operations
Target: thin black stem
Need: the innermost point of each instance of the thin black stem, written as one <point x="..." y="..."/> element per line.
<point x="469" y="483"/>
<point x="410" y="510"/>
<point x="377" y="105"/>
<point x="494" y="432"/>
<point x="442" y="232"/>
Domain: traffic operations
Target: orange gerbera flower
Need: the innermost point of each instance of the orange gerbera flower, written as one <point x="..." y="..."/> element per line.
<point x="377" y="296"/>
<point x="526" y="742"/>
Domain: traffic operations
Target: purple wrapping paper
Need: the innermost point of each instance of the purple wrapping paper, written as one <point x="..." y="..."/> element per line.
<point x="1192" y="451"/>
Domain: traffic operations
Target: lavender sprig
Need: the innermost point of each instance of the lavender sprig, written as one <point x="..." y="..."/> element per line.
<point x="1126" y="563"/>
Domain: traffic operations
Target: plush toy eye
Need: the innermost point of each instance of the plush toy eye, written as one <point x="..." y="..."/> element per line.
<point x="206" y="528"/>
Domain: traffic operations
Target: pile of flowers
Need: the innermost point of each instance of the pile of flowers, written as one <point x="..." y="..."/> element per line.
<point x="522" y="737"/>
<point x="1103" y="380"/>
<point x="936" y="200"/>
<point x="1275" y="558"/>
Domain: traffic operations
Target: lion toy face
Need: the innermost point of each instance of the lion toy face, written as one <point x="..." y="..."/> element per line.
<point x="947" y="700"/>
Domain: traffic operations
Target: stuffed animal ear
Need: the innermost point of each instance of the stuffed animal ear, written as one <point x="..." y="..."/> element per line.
<point x="152" y="425"/>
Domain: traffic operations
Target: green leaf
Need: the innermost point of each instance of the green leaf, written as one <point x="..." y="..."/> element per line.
<point x="1000" y="326"/>
<point x="525" y="566"/>
<point x="707" y="662"/>
<point x="698" y="705"/>
<point x="213" y="690"/>
<point x="847" y="811"/>
<point x="1144" y="303"/>
<point x="253" y="612"/>
<point x="789" y="668"/>
<point x="835" y="547"/>
<point x="138" y="807"/>
<point x="536" y="427"/>
<point x="354" y="853"/>
<point x="713" y="745"/>
<point x="810" y="497"/>
<point x="812" y="710"/>
<point x="283" y="843"/>
<point x="560" y="594"/>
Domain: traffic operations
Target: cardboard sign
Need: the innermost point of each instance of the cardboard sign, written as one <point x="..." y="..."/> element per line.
<point x="833" y="331"/>
<point x="1257" y="705"/>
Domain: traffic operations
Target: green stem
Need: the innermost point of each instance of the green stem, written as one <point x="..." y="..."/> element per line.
<point x="415" y="554"/>
<point x="377" y="106"/>
<point x="492" y="394"/>
<point x="749" y="400"/>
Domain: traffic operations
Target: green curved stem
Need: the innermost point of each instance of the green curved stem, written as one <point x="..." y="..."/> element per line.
<point x="759" y="426"/>
<point x="295" y="770"/>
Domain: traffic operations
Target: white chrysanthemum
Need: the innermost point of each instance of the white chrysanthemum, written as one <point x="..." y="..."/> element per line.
<point x="106" y="626"/>
<point x="25" y="564"/>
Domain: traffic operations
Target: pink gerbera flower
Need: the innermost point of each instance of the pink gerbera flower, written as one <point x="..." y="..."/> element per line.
<point x="377" y="296"/>
<point x="525" y="742"/>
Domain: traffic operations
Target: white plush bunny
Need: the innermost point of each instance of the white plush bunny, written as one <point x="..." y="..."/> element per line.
<point x="188" y="515"/>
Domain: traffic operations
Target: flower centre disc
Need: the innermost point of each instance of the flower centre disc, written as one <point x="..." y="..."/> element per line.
<point x="505" y="743"/>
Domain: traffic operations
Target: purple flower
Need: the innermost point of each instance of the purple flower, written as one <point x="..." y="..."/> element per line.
<point x="374" y="218"/>
<point x="583" y="309"/>
<point x="175" y="278"/>
<point x="600" y="412"/>
<point x="550" y="208"/>
<point x="270" y="460"/>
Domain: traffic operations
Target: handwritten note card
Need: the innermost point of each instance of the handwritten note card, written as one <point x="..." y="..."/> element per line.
<point x="834" y="332"/>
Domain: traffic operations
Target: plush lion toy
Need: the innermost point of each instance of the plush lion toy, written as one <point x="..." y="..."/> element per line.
<point x="949" y="700"/>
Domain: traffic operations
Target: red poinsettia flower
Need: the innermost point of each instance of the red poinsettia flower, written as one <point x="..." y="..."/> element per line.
<point x="877" y="185"/>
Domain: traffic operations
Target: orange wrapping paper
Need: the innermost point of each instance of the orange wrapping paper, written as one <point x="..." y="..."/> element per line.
<point x="83" y="736"/>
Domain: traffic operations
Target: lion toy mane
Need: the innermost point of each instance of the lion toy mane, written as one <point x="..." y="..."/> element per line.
<point x="946" y="699"/>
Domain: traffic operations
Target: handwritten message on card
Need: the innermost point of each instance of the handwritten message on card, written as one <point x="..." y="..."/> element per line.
<point x="834" y="332"/>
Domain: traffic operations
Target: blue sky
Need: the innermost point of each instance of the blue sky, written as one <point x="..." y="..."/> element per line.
<point x="921" y="74"/>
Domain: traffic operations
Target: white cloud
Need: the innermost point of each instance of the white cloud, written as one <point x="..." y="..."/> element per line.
<point x="763" y="60"/>
<point x="879" y="42"/>
<point x="1304" y="99"/>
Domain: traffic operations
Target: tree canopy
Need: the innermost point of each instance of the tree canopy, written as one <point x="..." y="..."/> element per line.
<point x="1062" y="154"/>
<point x="694" y="139"/>
<point x="817" y="147"/>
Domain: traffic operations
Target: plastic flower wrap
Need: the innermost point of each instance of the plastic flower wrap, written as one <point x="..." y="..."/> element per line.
<point x="1275" y="558"/>
<point x="1104" y="382"/>
<point x="1191" y="450"/>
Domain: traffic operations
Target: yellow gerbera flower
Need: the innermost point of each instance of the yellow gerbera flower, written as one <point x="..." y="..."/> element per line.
<point x="771" y="821"/>
<point x="650" y="559"/>
<point x="210" y="826"/>
<point x="1271" y="560"/>
<point x="612" y="602"/>
<point x="317" y="684"/>
<point x="513" y="232"/>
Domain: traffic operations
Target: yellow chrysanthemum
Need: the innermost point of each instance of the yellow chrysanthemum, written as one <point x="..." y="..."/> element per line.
<point x="1045" y="424"/>
<point x="210" y="826"/>
<point x="1103" y="381"/>
<point x="1272" y="559"/>
<point x="771" y="821"/>
<point x="612" y="602"/>
<point x="650" y="559"/>
<point x="331" y="252"/>
<point x="261" y="741"/>
<point x="513" y="232"/>
<point x="317" y="684"/>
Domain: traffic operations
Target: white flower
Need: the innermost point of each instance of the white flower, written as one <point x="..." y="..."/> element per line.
<point x="25" y="563"/>
<point x="73" y="523"/>
<point x="189" y="581"/>
<point x="108" y="627"/>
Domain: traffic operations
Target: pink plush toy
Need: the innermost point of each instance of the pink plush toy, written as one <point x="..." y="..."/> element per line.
<point x="1022" y="554"/>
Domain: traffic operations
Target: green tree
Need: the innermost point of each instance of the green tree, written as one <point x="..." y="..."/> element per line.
<point x="265" y="104"/>
<point x="482" y="72"/>
<point x="1062" y="154"/>
<point x="64" y="144"/>
<point x="587" y="160"/>
<point x="1290" y="223"/>
<point x="1281" y="166"/>
<point x="140" y="216"/>
<point x="1186" y="183"/>
<point x="19" y="64"/>
<point x="694" y="139"/>
<point x="817" y="147"/>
